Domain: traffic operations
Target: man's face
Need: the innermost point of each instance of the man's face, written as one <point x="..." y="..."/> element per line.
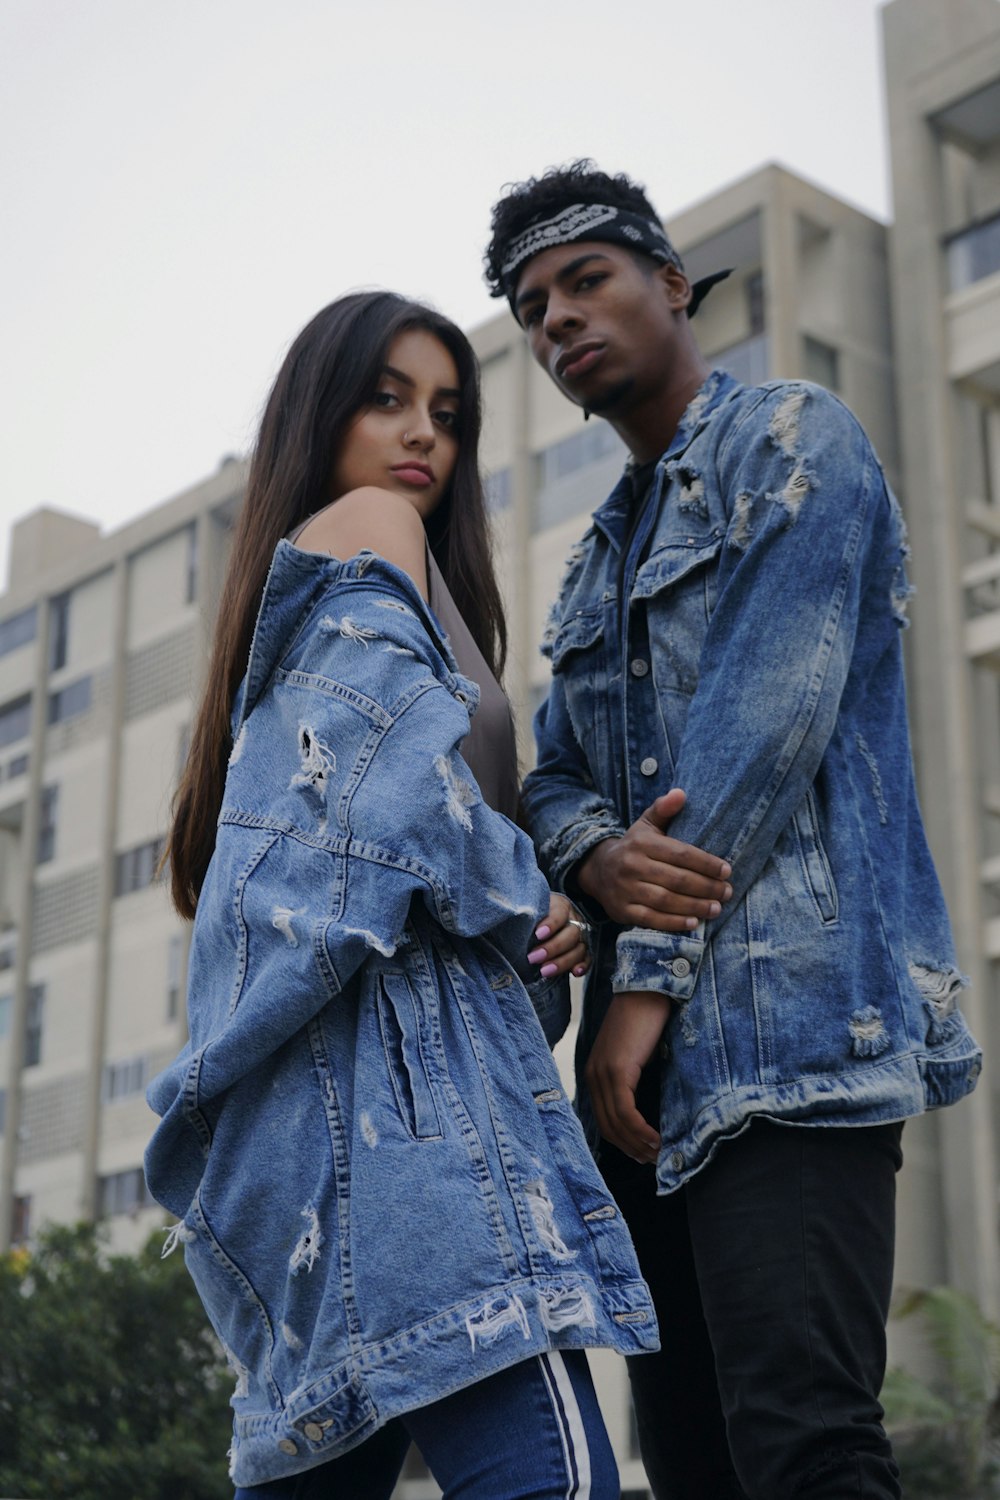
<point x="603" y="322"/>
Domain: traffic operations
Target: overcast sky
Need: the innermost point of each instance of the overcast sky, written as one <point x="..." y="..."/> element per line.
<point x="183" y="184"/>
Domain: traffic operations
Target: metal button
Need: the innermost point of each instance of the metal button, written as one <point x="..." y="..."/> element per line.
<point x="680" y="968"/>
<point x="313" y="1431"/>
<point x="649" y="766"/>
<point x="639" y="668"/>
<point x="287" y="1446"/>
<point x="677" y="1161"/>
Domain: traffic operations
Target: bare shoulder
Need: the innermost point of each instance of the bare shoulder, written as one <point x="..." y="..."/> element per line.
<point x="374" y="519"/>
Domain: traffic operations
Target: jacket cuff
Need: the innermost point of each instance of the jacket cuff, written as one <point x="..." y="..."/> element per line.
<point x="667" y="962"/>
<point x="560" y="855"/>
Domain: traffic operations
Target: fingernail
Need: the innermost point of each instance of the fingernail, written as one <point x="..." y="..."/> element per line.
<point x="536" y="955"/>
<point x="715" y="908"/>
<point x="543" y="932"/>
<point x="691" y="922"/>
<point x="729" y="892"/>
<point x="547" y="970"/>
<point x="580" y="970"/>
<point x="726" y="871"/>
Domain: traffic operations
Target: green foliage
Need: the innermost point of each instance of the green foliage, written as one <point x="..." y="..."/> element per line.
<point x="946" y="1432"/>
<point x="111" y="1383"/>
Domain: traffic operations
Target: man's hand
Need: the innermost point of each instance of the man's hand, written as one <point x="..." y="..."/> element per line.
<point x="647" y="879"/>
<point x="626" y="1041"/>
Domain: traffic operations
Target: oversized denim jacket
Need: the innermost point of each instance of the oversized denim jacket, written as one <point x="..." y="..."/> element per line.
<point x="383" y="1192"/>
<point x="758" y="666"/>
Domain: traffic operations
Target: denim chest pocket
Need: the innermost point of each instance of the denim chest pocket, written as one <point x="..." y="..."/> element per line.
<point x="580" y="659"/>
<point x="678" y="583"/>
<point x="399" y="1023"/>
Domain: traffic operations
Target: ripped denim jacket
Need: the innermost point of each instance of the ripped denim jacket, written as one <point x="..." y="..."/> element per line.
<point x="383" y="1192"/>
<point x="758" y="666"/>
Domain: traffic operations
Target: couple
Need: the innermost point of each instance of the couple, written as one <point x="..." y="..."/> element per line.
<point x="385" y="1198"/>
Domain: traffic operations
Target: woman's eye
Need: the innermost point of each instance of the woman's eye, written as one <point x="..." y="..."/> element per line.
<point x="386" y="399"/>
<point x="448" y="419"/>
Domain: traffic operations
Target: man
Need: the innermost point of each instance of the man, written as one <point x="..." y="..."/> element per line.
<point x="757" y="1025"/>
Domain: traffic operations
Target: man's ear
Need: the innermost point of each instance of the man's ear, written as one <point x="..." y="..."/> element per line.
<point x="676" y="286"/>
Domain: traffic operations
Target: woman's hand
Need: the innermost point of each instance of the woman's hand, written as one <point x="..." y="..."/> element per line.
<point x="562" y="940"/>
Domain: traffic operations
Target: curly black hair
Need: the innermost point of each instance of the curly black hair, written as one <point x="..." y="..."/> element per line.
<point x="538" y="197"/>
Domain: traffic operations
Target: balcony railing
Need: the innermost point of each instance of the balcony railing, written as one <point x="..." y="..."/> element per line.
<point x="973" y="253"/>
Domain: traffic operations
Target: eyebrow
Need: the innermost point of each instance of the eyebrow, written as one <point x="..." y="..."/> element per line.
<point x="568" y="270"/>
<point x="445" y="390"/>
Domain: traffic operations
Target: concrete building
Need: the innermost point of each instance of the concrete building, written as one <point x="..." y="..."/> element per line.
<point x="102" y="641"/>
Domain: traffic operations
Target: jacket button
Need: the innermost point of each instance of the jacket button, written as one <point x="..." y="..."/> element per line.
<point x="649" y="766"/>
<point x="677" y="1161"/>
<point x="680" y="968"/>
<point x="639" y="668"/>
<point x="287" y="1446"/>
<point x="313" y="1431"/>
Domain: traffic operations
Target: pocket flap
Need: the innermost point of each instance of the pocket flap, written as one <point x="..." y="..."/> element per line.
<point x="669" y="564"/>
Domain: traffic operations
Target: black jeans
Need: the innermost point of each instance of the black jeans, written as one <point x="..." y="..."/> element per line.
<point x="771" y="1273"/>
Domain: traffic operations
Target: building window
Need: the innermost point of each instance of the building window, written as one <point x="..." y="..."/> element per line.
<point x="17" y="766"/>
<point x="18" y="630"/>
<point x="48" y="807"/>
<point x="33" y="1025"/>
<point x="191" y="565"/>
<point x="58" y="632"/>
<point x="75" y="698"/>
<point x="183" y="748"/>
<point x="15" y="721"/>
<point x="135" y="869"/>
<point x="499" y="489"/>
<point x="821" y="362"/>
<point x="123" y="1080"/>
<point x="123" y="1193"/>
<point x="754" y="290"/>
<point x="6" y="1006"/>
<point x="596" y="441"/>
<point x="3" y="1110"/>
<point x="21" y="1225"/>
<point x="973" y="253"/>
<point x="175" y="964"/>
<point x="748" y="361"/>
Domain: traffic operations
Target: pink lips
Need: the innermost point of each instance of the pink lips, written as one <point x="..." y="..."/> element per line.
<point x="414" y="474"/>
<point x="572" y="364"/>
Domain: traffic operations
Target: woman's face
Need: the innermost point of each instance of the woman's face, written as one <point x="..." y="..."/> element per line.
<point x="407" y="439"/>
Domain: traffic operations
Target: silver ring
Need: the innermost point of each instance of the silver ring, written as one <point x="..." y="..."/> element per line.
<point x="583" y="926"/>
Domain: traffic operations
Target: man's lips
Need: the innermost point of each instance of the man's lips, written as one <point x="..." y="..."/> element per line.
<point x="414" y="473"/>
<point x="577" y="361"/>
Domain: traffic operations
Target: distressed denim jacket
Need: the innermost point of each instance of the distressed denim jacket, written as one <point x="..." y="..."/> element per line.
<point x="383" y="1192"/>
<point x="758" y="666"/>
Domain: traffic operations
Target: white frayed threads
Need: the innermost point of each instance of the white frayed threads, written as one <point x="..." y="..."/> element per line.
<point x="371" y="939"/>
<point x="543" y="1217"/>
<point x="396" y="604"/>
<point x="290" y="1337"/>
<point x="504" y="902"/>
<point x="784" y="428"/>
<point x="795" y="490"/>
<point x="398" y="650"/>
<point x="566" y="1308"/>
<point x="180" y="1234"/>
<point x="496" y="1318"/>
<point x="739" y="535"/>
<point x="281" y="919"/>
<point x="238" y="745"/>
<point x="867" y="755"/>
<point x="348" y="631"/>
<point x="306" y="1252"/>
<point x="317" y="760"/>
<point x="368" y="1130"/>
<point x="869" y="1037"/>
<point x="240" y="1371"/>
<point x="459" y="796"/>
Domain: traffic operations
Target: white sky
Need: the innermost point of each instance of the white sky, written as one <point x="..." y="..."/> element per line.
<point x="184" y="184"/>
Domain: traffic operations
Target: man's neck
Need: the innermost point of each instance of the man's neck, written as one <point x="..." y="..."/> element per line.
<point x="647" y="429"/>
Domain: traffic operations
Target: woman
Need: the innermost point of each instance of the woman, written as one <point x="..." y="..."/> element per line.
<point x="384" y="1197"/>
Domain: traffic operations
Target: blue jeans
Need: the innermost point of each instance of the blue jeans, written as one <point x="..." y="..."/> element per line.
<point x="532" y="1432"/>
<point x="771" y="1273"/>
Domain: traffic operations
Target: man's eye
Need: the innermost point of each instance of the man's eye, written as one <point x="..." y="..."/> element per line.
<point x="533" y="315"/>
<point x="586" y="282"/>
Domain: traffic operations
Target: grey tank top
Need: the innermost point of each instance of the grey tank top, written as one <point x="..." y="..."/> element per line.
<point x="490" y="747"/>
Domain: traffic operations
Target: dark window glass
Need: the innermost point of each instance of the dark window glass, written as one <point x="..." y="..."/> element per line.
<point x="74" y="698"/>
<point x="34" y="1025"/>
<point x="58" y="632"/>
<point x="17" y="630"/>
<point x="6" y="1006"/>
<point x="3" y="1110"/>
<point x="822" y="363"/>
<point x="48" y="808"/>
<point x="499" y="489"/>
<point x="123" y="1193"/>
<point x="175" y="964"/>
<point x="136" y="868"/>
<point x="754" y="285"/>
<point x="17" y="766"/>
<point x="191" y="570"/>
<point x="15" y="721"/>
<point x="21" y="1226"/>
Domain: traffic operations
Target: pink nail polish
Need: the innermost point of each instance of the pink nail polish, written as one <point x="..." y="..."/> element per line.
<point x="536" y="955"/>
<point x="547" y="970"/>
<point x="543" y="932"/>
<point x="580" y="970"/>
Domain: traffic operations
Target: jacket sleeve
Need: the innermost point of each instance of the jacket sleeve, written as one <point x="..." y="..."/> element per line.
<point x="803" y="487"/>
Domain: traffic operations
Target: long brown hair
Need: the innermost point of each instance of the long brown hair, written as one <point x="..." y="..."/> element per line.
<point x="330" y="373"/>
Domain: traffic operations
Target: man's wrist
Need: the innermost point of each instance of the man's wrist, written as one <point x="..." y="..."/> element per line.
<point x="586" y="875"/>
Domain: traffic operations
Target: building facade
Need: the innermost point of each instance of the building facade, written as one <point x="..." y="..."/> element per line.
<point x="103" y="640"/>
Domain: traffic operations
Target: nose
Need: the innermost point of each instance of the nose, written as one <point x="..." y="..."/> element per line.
<point x="561" y="317"/>
<point x="420" y="433"/>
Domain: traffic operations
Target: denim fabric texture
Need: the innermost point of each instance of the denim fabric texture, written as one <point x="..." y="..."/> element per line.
<point x="383" y="1192"/>
<point x="758" y="666"/>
